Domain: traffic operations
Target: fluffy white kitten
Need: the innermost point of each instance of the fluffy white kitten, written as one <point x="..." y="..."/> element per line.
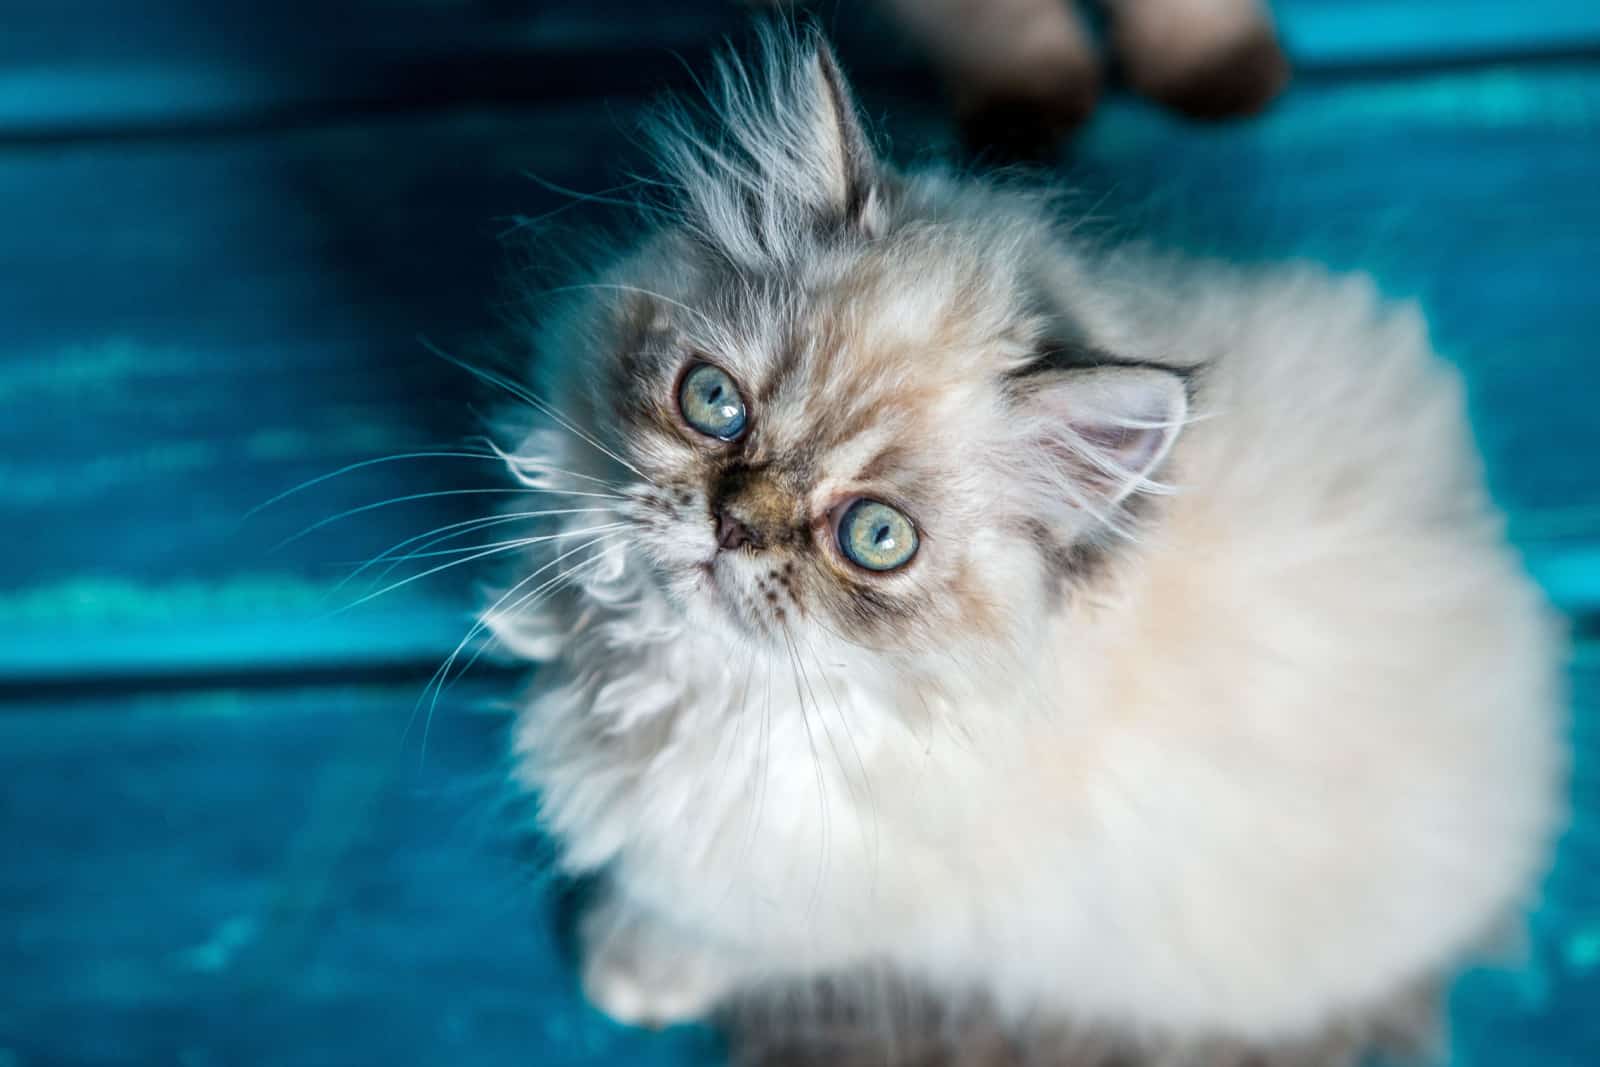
<point x="1100" y="637"/>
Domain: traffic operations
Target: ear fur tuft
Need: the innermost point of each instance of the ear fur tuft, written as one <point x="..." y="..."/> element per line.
<point x="784" y="155"/>
<point x="1095" y="437"/>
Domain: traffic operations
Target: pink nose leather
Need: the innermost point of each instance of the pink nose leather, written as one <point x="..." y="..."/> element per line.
<point x="731" y="533"/>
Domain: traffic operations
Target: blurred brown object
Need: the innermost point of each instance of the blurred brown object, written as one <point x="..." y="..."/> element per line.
<point x="1022" y="74"/>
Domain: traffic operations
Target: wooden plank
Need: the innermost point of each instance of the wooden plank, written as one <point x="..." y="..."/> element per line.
<point x="189" y="328"/>
<point x="92" y="66"/>
<point x="193" y="328"/>
<point x="282" y="877"/>
<point x="102" y="68"/>
<point x="1347" y="35"/>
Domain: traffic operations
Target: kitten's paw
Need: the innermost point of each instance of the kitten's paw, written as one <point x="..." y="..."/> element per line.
<point x="634" y="998"/>
<point x="642" y="974"/>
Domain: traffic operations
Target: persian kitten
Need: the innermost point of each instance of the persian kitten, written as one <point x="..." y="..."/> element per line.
<point x="1094" y="638"/>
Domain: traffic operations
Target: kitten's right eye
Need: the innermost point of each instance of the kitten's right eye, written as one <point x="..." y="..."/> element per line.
<point x="875" y="536"/>
<point x="710" y="402"/>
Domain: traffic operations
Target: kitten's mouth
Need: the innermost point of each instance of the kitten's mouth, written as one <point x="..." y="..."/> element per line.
<point x="757" y="603"/>
<point x="717" y="591"/>
<point x="724" y="589"/>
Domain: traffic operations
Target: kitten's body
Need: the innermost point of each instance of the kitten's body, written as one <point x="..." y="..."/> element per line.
<point x="1282" y="748"/>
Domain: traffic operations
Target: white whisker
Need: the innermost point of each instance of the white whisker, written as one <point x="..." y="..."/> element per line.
<point x="331" y="519"/>
<point x="349" y="467"/>
<point x="520" y="469"/>
<point x="509" y="543"/>
<point x="528" y="396"/>
<point x="527" y="602"/>
<point x="441" y="677"/>
<point x="816" y="767"/>
<point x="439" y="535"/>
<point x="849" y="736"/>
<point x="418" y="577"/>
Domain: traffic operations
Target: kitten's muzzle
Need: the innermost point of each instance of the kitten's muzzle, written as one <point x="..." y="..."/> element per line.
<point x="750" y="510"/>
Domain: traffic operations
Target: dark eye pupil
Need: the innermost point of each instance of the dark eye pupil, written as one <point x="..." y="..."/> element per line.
<point x="715" y="394"/>
<point x="881" y="534"/>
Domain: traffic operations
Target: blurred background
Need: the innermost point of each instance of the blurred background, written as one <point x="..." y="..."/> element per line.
<point x="224" y="227"/>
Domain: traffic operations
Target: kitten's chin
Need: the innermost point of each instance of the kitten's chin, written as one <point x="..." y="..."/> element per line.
<point x="704" y="602"/>
<point x="717" y="599"/>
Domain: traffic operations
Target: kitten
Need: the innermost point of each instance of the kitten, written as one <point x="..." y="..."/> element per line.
<point x="1084" y="637"/>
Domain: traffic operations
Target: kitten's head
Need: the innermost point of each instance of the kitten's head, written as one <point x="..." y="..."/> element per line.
<point x="855" y="406"/>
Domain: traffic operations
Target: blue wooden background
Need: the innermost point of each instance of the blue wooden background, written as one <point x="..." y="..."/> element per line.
<point x="223" y="228"/>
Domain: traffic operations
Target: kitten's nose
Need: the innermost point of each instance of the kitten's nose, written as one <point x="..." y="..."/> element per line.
<point x="731" y="533"/>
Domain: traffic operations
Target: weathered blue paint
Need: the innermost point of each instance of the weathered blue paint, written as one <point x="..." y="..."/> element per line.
<point x="222" y="231"/>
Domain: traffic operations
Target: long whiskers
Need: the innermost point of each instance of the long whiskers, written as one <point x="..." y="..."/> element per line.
<point x="516" y="542"/>
<point x="527" y="395"/>
<point x="733" y="738"/>
<point x="441" y="677"/>
<point x="816" y="767"/>
<point x="407" y="498"/>
<point x="350" y="467"/>
<point x="523" y="468"/>
<point x="850" y="739"/>
<point x="522" y="605"/>
<point x="441" y="534"/>
<point x="441" y="680"/>
<point x="447" y="566"/>
<point x="765" y="758"/>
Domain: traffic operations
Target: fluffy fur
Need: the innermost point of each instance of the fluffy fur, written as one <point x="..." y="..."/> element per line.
<point x="1212" y="708"/>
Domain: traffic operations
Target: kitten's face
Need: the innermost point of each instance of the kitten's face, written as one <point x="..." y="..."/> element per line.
<point x="818" y="453"/>
<point x="852" y="407"/>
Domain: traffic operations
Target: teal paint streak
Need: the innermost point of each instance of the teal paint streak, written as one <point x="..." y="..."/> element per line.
<point x="1336" y="32"/>
<point x="110" y="626"/>
<point x="280" y="878"/>
<point x="46" y="98"/>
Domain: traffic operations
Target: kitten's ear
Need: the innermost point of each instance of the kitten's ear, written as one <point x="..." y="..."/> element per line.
<point x="1096" y="436"/>
<point x="847" y="168"/>
<point x="786" y="154"/>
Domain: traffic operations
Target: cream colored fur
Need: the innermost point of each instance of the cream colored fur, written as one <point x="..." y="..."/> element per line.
<point x="1289" y="747"/>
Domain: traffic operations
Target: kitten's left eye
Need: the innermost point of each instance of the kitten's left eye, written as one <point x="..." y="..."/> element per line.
<point x="710" y="402"/>
<point x="876" y="536"/>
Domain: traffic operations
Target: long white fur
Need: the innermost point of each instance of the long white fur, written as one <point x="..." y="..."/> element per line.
<point x="1294" y="750"/>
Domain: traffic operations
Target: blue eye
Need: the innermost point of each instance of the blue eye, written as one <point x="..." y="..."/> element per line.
<point x="876" y="536"/>
<point x="710" y="402"/>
